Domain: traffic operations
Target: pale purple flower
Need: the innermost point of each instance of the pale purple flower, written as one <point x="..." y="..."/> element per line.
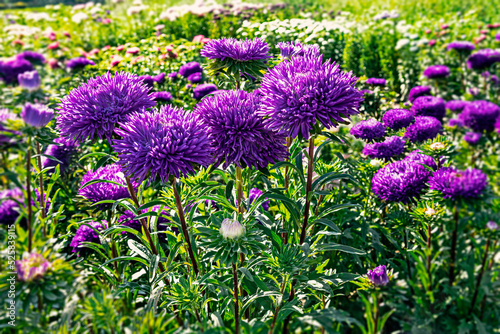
<point x="378" y="276"/>
<point x="37" y="115"/>
<point x="29" y="80"/>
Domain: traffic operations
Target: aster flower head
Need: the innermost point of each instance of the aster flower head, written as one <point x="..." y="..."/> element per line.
<point x="454" y="184"/>
<point x="376" y="81"/>
<point x="29" y="80"/>
<point x="32" y="267"/>
<point x="368" y="130"/>
<point x="483" y="59"/>
<point x="419" y="158"/>
<point x="378" y="276"/>
<point x="87" y="233"/>
<point x="78" y="63"/>
<point x="32" y="57"/>
<point x="62" y="150"/>
<point x="255" y="193"/>
<point x="390" y="147"/>
<point x="94" y="108"/>
<point x="397" y="119"/>
<point x="480" y="115"/>
<point x="456" y="105"/>
<point x="172" y="76"/>
<point x="101" y="191"/>
<point x="190" y="68"/>
<point x="195" y="77"/>
<point x="400" y="181"/>
<point x="232" y="229"/>
<point x="429" y="106"/>
<point x="461" y="46"/>
<point x="290" y="49"/>
<point x="302" y="91"/>
<point x="203" y="90"/>
<point x="37" y="115"/>
<point x="162" y="96"/>
<point x="472" y="138"/>
<point x="425" y="127"/>
<point x="419" y="91"/>
<point x="237" y="133"/>
<point x="9" y="206"/>
<point x="455" y="122"/>
<point x="237" y="50"/>
<point x="437" y="71"/>
<point x="12" y="67"/>
<point x="161" y="144"/>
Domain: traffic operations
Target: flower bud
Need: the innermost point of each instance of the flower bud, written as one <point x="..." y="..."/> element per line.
<point x="378" y="276"/>
<point x="31" y="268"/>
<point x="232" y="229"/>
<point x="491" y="225"/>
<point x="37" y="115"/>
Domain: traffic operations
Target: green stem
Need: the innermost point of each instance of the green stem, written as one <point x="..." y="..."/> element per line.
<point x="40" y="190"/>
<point x="451" y="274"/>
<point x="239" y="188"/>
<point x="376" y="313"/>
<point x="236" y="302"/>
<point x="308" y="189"/>
<point x="28" y="192"/>
<point x="480" y="276"/>
<point x="429" y="254"/>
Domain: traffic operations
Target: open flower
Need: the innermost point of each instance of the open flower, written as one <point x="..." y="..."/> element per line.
<point x="37" y="115"/>
<point x="378" y="276"/>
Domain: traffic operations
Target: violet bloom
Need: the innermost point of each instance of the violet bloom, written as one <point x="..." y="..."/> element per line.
<point x="172" y="76"/>
<point x="79" y="63"/>
<point x="392" y="146"/>
<point x="94" y="108"/>
<point x="62" y="150"/>
<point x="497" y="37"/>
<point x="32" y="57"/>
<point x="29" y="80"/>
<point x="461" y="46"/>
<point x="425" y="127"/>
<point x="194" y="78"/>
<point x="378" y="276"/>
<point x="491" y="225"/>
<point x="483" y="59"/>
<point x="376" y="81"/>
<point x="437" y="72"/>
<point x="291" y="49"/>
<point x="456" y="122"/>
<point x="366" y="91"/>
<point x="420" y="158"/>
<point x="454" y="184"/>
<point x="102" y="191"/>
<point x="37" y="115"/>
<point x="456" y="105"/>
<point x="480" y="115"/>
<point x="203" y="90"/>
<point x="9" y="206"/>
<point x="147" y="80"/>
<point x="237" y="50"/>
<point x="31" y="268"/>
<point x="86" y="233"/>
<point x="400" y="181"/>
<point x="12" y="67"/>
<point x="472" y="138"/>
<point x="302" y="91"/>
<point x="419" y="91"/>
<point x="397" y="119"/>
<point x="160" y="144"/>
<point x="192" y="67"/>
<point x="254" y="194"/>
<point x="159" y="78"/>
<point x="368" y="130"/>
<point x="429" y="106"/>
<point x="162" y="96"/>
<point x="237" y="133"/>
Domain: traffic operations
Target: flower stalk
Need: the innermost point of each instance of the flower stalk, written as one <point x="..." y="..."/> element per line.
<point x="236" y="302"/>
<point x="40" y="185"/>
<point x="28" y="192"/>
<point x="451" y="274"/>
<point x="310" y="168"/>
<point x="480" y="276"/>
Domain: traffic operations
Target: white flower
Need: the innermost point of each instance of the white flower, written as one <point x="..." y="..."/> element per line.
<point x="232" y="229"/>
<point x="79" y="17"/>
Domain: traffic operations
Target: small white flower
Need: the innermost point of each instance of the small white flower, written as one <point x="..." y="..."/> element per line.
<point x="232" y="229"/>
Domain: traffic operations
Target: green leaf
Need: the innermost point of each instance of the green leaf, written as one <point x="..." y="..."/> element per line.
<point x="340" y="247"/>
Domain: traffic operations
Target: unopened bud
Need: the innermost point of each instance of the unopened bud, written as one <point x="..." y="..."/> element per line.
<point x="232" y="229"/>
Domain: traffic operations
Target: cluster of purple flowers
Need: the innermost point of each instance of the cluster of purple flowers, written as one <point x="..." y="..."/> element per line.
<point x="437" y="72"/>
<point x="101" y="191"/>
<point x="150" y="80"/>
<point x="461" y="46"/>
<point x="368" y="130"/>
<point x="9" y="206"/>
<point x="429" y="106"/>
<point x="419" y="91"/>
<point x="392" y="146"/>
<point x="397" y="119"/>
<point x="483" y="59"/>
<point x="453" y="183"/>
<point x="480" y="115"/>
<point x="425" y="127"/>
<point x="78" y="63"/>
<point x="87" y="233"/>
<point x="420" y="158"/>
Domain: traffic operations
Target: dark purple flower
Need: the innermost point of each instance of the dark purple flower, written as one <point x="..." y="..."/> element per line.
<point x="187" y="69"/>
<point x="195" y="77"/>
<point x="420" y="158"/>
<point x="392" y="146"/>
<point x="237" y="133"/>
<point x="400" y="181"/>
<point x="159" y="78"/>
<point x="456" y="105"/>
<point x="437" y="71"/>
<point x="147" y="80"/>
<point x="376" y="81"/>
<point x="37" y="115"/>
<point x="368" y="130"/>
<point x="290" y="49"/>
<point x="254" y="194"/>
<point x="480" y="115"/>
<point x="398" y="118"/>
<point x="453" y="183"/>
<point x="12" y="67"/>
<point x="425" y="127"/>
<point x="102" y="191"/>
<point x="203" y="90"/>
<point x="239" y="50"/>
<point x="162" y="96"/>
<point x="429" y="106"/>
<point x="173" y="76"/>
<point x="461" y="46"/>
<point x="62" y="150"/>
<point x="472" y="138"/>
<point x="483" y="59"/>
<point x="77" y="63"/>
<point x="497" y="37"/>
<point x="32" y="267"/>
<point x="9" y="208"/>
<point x="378" y="276"/>
<point x="160" y="144"/>
<point x="94" y="108"/>
<point x="86" y="233"/>
<point x="32" y="57"/>
<point x="29" y="80"/>
<point x="455" y="122"/>
<point x="419" y="91"/>
<point x="302" y="91"/>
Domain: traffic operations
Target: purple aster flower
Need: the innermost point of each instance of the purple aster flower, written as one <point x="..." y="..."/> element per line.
<point x="9" y="208"/>
<point x="173" y="76"/>
<point x="32" y="267"/>
<point x="497" y="37"/>
<point x="299" y="92"/>
<point x="437" y="71"/>
<point x="237" y="133"/>
<point x="368" y="130"/>
<point x="429" y="106"/>
<point x="102" y="191"/>
<point x="400" y="181"/>
<point x="87" y="233"/>
<point x="491" y="225"/>
<point x="159" y="78"/>
<point x="398" y="118"/>
<point x="419" y="91"/>
<point x="238" y="50"/>
<point x="389" y="148"/>
<point x="62" y="150"/>
<point x="78" y="63"/>
<point x="461" y="46"/>
<point x="456" y="105"/>
<point x="483" y="59"/>
<point x="187" y="69"/>
<point x="170" y="142"/>
<point x="162" y="223"/>
<point x="94" y="108"/>
<point x="420" y="158"/>
<point x="497" y="125"/>
<point x="32" y="57"/>
<point x="195" y="77"/>
<point x="376" y="81"/>
<point x="162" y="96"/>
<point x="290" y="49"/>
<point x="37" y="115"/>
<point x="29" y="80"/>
<point x="480" y="115"/>
<point x="425" y="127"/>
<point x="12" y="67"/>
<point x="254" y="194"/>
<point x="366" y="91"/>
<point x="472" y="138"/>
<point x="455" y="122"/>
<point x="147" y="80"/>
<point x="453" y="183"/>
<point x="378" y="276"/>
<point x="494" y="80"/>
<point x="203" y="90"/>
